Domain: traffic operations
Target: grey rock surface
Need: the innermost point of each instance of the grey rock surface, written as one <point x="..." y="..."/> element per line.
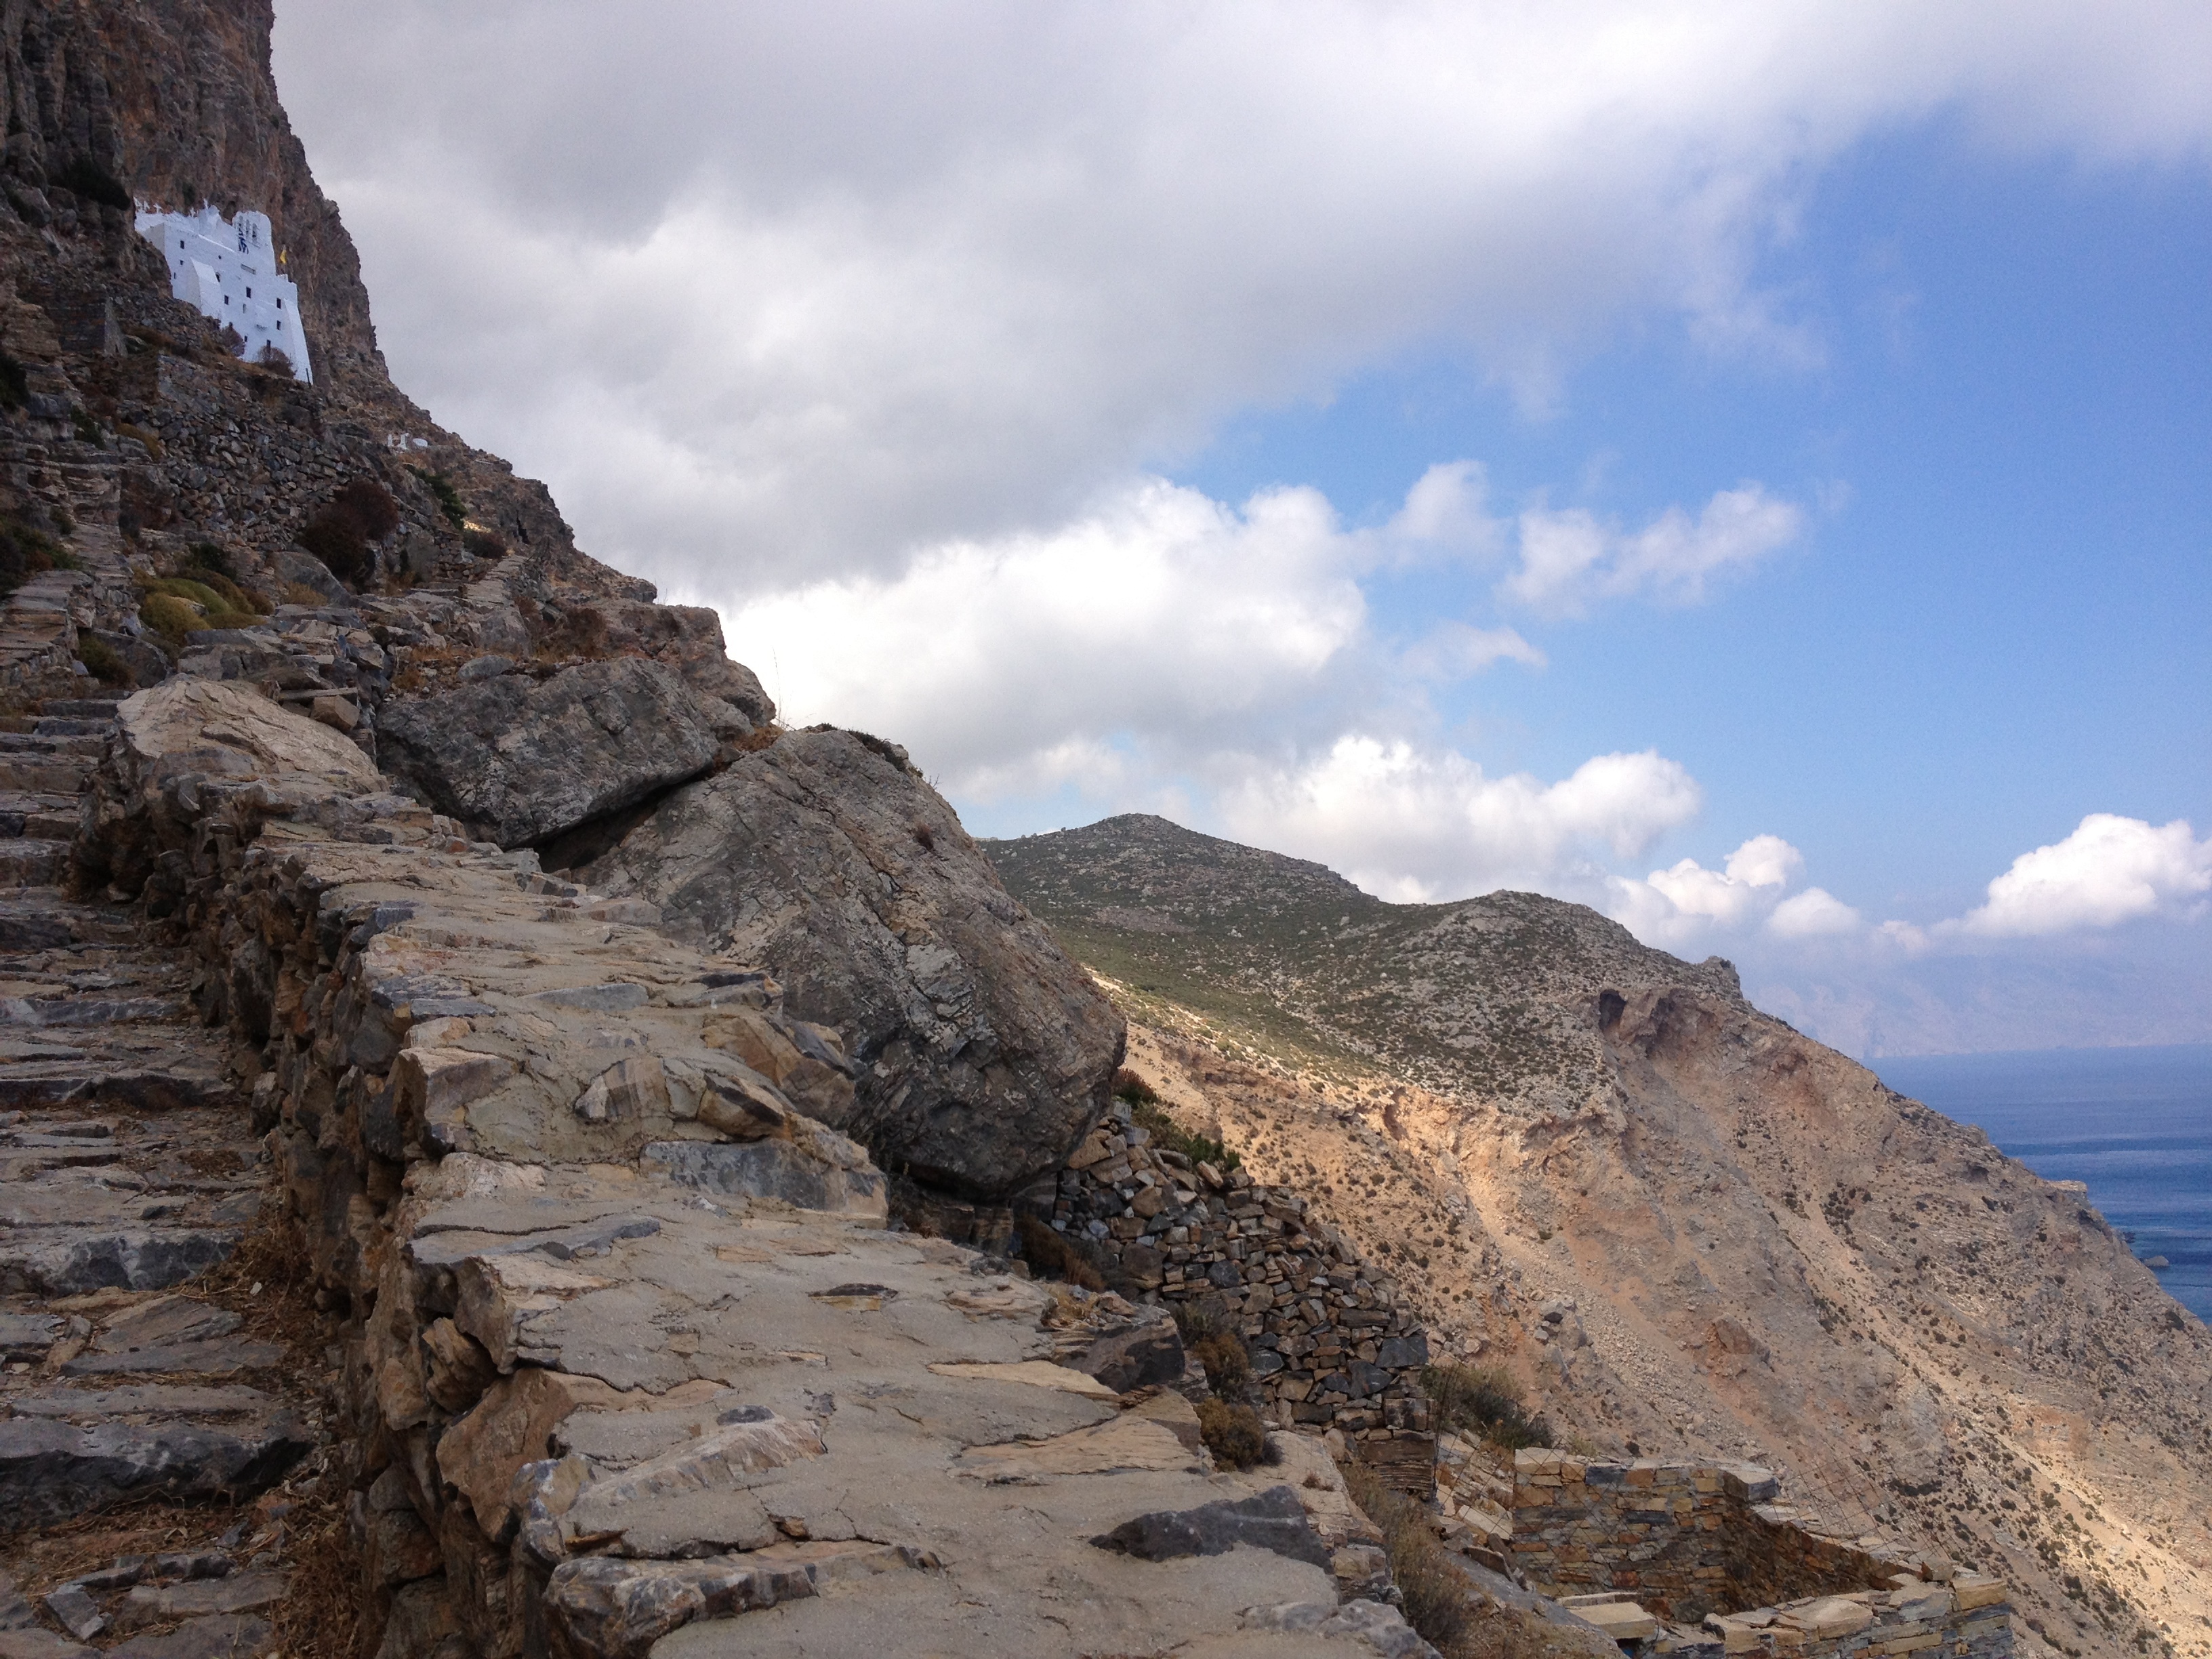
<point x="526" y="759"/>
<point x="50" y="1470"/>
<point x="1270" y="1520"/>
<point x="215" y="1636"/>
<point x="689" y="639"/>
<point x="984" y="1052"/>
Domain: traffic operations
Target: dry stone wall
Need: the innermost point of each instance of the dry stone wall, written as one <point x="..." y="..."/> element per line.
<point x="1710" y="1550"/>
<point x="1333" y="1344"/>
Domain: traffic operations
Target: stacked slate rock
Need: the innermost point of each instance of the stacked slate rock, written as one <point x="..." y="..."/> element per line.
<point x="1333" y="1344"/>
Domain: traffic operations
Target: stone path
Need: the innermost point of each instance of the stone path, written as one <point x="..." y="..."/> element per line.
<point x="145" y="1408"/>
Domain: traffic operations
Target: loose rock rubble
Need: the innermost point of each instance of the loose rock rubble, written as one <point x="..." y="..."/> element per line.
<point x="1332" y="1343"/>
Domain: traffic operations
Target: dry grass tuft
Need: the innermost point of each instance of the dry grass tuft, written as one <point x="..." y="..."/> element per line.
<point x="1055" y="1255"/>
<point x="1233" y="1434"/>
<point x="1438" y="1602"/>
<point x="320" y="1617"/>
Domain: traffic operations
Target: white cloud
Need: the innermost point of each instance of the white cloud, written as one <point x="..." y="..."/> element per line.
<point x="1159" y="617"/>
<point x="777" y="294"/>
<point x="1688" y="905"/>
<point x="1730" y="895"/>
<point x="2111" y="870"/>
<point x="1569" y="558"/>
<point x="1454" y="650"/>
<point x="1411" y="823"/>
<point x="1814" y="914"/>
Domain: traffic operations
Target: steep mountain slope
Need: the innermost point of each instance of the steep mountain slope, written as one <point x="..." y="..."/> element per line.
<point x="1690" y="1227"/>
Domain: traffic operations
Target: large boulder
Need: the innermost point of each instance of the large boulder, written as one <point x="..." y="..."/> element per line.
<point x="983" y="1053"/>
<point x="689" y="639"/>
<point x="526" y="759"/>
<point x="189" y="750"/>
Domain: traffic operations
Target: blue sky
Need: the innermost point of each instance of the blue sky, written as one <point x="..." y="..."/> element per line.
<point x="2002" y="619"/>
<point x="1743" y="468"/>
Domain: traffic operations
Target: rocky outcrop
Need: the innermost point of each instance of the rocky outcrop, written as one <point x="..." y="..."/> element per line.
<point x="521" y="760"/>
<point x="190" y="751"/>
<point x="687" y="638"/>
<point x="1682" y="1228"/>
<point x="623" y="1343"/>
<point x="983" y="1054"/>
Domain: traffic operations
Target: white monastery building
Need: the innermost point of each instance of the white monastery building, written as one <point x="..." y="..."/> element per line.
<point x="230" y="268"/>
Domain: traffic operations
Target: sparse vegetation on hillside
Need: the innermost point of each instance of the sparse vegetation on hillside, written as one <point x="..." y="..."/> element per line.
<point x="1485" y="996"/>
<point x="25" y="551"/>
<point x="1484" y="1403"/>
<point x="1437" y="1601"/>
<point x="1146" y="1113"/>
<point x="340" y="535"/>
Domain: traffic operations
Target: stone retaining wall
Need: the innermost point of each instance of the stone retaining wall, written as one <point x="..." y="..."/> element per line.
<point x="1967" y="1618"/>
<point x="1333" y="1344"/>
<point x="1686" y="1538"/>
<point x="1710" y="1542"/>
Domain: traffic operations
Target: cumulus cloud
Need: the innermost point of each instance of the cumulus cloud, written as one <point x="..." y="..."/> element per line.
<point x="772" y="294"/>
<point x="1416" y="825"/>
<point x="1568" y="559"/>
<point x="2111" y="870"/>
<point x="1687" y="904"/>
<point x="1814" y="914"/>
<point x="1156" y="617"/>
<point x="1160" y="613"/>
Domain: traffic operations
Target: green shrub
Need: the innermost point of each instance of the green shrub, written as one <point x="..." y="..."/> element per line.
<point x="1166" y="1131"/>
<point x="1483" y="1401"/>
<point x="170" y="617"/>
<point x="26" y="551"/>
<point x="1056" y="1255"/>
<point x="339" y="535"/>
<point x="369" y="505"/>
<point x="448" y="498"/>
<point x="215" y="602"/>
<point x="338" y="542"/>
<point x="100" y="659"/>
<point x="484" y="544"/>
<point x="1232" y="1433"/>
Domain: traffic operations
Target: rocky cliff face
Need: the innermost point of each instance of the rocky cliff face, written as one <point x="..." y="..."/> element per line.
<point x="176" y="102"/>
<point x="497" y="674"/>
<point x="386" y="1151"/>
<point x="1696" y="1231"/>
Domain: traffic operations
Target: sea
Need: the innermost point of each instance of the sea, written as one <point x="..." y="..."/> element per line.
<point x="2134" y="1123"/>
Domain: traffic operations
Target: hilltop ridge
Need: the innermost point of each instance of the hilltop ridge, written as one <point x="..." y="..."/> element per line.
<point x="1689" y="1229"/>
<point x="1296" y="951"/>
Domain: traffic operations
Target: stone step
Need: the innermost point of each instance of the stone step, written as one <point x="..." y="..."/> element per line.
<point x="85" y="1078"/>
<point x="35" y="743"/>
<point x="53" y="1467"/>
<point x="63" y="1012"/>
<point x="41" y="817"/>
<point x="43" y="774"/>
<point x="90" y="730"/>
<point x="52" y="1262"/>
<point x="99" y="707"/>
<point x="25" y="863"/>
<point x="44" y="921"/>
